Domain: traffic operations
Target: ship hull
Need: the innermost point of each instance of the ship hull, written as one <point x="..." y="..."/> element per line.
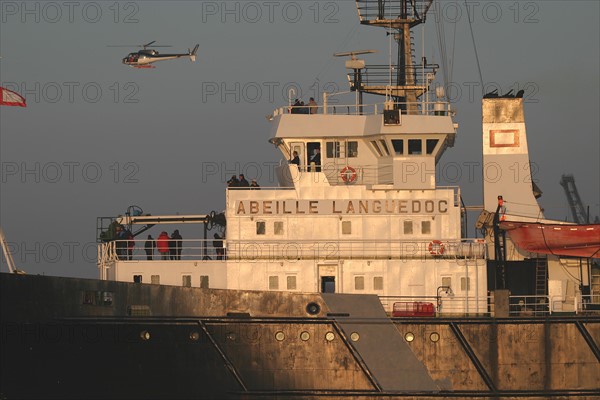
<point x="150" y="341"/>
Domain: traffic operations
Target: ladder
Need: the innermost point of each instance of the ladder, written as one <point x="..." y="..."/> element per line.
<point x="541" y="277"/>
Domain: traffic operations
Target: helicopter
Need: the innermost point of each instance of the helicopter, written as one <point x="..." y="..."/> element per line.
<point x="144" y="58"/>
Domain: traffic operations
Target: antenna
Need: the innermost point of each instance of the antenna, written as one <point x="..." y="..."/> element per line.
<point x="356" y="65"/>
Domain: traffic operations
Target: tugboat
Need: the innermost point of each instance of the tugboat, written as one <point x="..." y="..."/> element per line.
<point x="351" y="278"/>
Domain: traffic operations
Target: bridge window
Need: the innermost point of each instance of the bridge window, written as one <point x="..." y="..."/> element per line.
<point x="398" y="145"/>
<point x="359" y="283"/>
<point x="155" y="279"/>
<point x="273" y="283"/>
<point x="431" y="143"/>
<point x="186" y="280"/>
<point x="261" y="227"/>
<point x="384" y="147"/>
<point x="352" y="149"/>
<point x="426" y="227"/>
<point x="415" y="146"/>
<point x="378" y="283"/>
<point x="137" y="279"/>
<point x="291" y="282"/>
<point x="346" y="227"/>
<point x="204" y="282"/>
<point x="408" y="227"/>
<point x="376" y="147"/>
<point x="333" y="149"/>
<point x="278" y="228"/>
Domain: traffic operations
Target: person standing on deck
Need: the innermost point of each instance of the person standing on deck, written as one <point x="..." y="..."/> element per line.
<point x="149" y="247"/>
<point x="177" y="243"/>
<point x="163" y="245"/>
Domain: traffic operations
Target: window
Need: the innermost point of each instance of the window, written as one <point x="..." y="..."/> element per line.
<point x="376" y="147"/>
<point x="346" y="227"/>
<point x="426" y="227"/>
<point x="278" y="228"/>
<point x="89" y="297"/>
<point x="155" y="279"/>
<point x="447" y="281"/>
<point x="352" y="149"/>
<point x="261" y="227"/>
<point x="291" y="282"/>
<point x="408" y="227"/>
<point x="398" y="145"/>
<point x="415" y="146"/>
<point x="107" y="298"/>
<point x="186" y="280"/>
<point x="137" y="279"/>
<point x="384" y="147"/>
<point x="94" y="298"/>
<point x="430" y="145"/>
<point x="378" y="283"/>
<point x="273" y="283"/>
<point x="359" y="283"/>
<point x="465" y="284"/>
<point x="333" y="149"/>
<point x="204" y="282"/>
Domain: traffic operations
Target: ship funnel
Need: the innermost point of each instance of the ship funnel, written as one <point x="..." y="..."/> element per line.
<point x="506" y="167"/>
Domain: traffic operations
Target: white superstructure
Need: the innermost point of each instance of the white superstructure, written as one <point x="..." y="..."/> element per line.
<point x="367" y="219"/>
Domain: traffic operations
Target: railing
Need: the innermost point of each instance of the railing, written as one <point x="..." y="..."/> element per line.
<point x="134" y="250"/>
<point x="588" y="304"/>
<point x="358" y="250"/>
<point x="198" y="250"/>
<point x="372" y="10"/>
<point x="432" y="108"/>
<point x="530" y="305"/>
<point x="444" y="304"/>
<point x="379" y="75"/>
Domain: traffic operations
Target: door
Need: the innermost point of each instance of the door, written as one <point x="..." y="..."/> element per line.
<point x="328" y="284"/>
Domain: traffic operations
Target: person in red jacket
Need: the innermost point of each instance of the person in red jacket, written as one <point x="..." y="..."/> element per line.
<point x="162" y="243"/>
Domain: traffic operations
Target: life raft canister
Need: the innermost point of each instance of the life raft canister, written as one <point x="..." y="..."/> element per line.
<point x="436" y="248"/>
<point x="348" y="174"/>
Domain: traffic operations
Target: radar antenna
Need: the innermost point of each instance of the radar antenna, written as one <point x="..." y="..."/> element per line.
<point x="357" y="66"/>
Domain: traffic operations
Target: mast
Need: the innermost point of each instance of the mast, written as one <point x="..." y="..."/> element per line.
<point x="411" y="80"/>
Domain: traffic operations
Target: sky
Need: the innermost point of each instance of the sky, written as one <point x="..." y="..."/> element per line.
<point x="98" y="136"/>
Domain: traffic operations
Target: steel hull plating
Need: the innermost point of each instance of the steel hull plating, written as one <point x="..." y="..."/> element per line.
<point x="230" y="344"/>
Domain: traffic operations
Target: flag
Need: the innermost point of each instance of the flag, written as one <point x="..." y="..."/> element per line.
<point x="10" y="98"/>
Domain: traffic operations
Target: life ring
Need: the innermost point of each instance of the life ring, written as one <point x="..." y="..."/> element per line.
<point x="348" y="174"/>
<point x="436" y="248"/>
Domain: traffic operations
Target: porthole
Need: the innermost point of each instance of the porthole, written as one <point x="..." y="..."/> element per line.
<point x="145" y="335"/>
<point x="304" y="336"/>
<point x="409" y="337"/>
<point x="280" y="336"/>
<point x="434" y="337"/>
<point x="329" y="336"/>
<point x="354" y="336"/>
<point x="313" y="308"/>
<point x="194" y="336"/>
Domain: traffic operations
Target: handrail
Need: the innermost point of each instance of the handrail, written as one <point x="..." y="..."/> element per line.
<point x="248" y="250"/>
<point x="431" y="108"/>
